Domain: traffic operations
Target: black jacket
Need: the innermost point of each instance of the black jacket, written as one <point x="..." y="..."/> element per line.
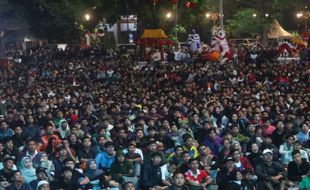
<point x="151" y="175"/>
<point x="294" y="172"/>
<point x="265" y="172"/>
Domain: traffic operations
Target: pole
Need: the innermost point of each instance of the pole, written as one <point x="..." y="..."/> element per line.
<point x="221" y="15"/>
<point x="176" y="21"/>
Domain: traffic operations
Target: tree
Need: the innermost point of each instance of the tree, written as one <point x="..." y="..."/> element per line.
<point x="247" y="22"/>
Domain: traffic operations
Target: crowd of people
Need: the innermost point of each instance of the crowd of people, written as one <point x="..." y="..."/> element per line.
<point x="79" y="119"/>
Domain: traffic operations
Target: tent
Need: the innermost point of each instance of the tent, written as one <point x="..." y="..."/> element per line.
<point x="154" y="37"/>
<point x="276" y="31"/>
<point x="154" y="33"/>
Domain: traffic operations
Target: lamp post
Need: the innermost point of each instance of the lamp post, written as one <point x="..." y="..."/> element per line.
<point x="212" y="16"/>
<point x="87" y="17"/>
<point x="304" y="15"/>
<point x="221" y="15"/>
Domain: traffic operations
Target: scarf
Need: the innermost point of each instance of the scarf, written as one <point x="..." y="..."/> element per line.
<point x="90" y="173"/>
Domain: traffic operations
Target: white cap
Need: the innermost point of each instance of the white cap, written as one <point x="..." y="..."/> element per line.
<point x="43" y="182"/>
<point x="267" y="151"/>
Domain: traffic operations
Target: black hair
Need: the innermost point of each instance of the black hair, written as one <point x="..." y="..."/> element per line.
<point x="295" y="152"/>
<point x="192" y="160"/>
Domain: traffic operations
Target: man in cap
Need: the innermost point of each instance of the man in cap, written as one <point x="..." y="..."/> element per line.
<point x="270" y="174"/>
<point x="43" y="185"/>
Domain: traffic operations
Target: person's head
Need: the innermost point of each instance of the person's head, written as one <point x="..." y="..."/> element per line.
<point x="226" y="144"/>
<point x="101" y="140"/>
<point x="172" y="166"/>
<point x="236" y="155"/>
<point x="67" y="173"/>
<point x="186" y="156"/>
<point x="152" y="146"/>
<point x="305" y="127"/>
<point x="69" y="162"/>
<point x="290" y="139"/>
<point x="8" y="163"/>
<point x="178" y="179"/>
<point x="43" y="156"/>
<point x="43" y="185"/>
<point x="9" y="144"/>
<point x="297" y="145"/>
<point x="50" y="129"/>
<point x="64" y="124"/>
<point x="30" y="119"/>
<point x="267" y="155"/>
<point x="121" y="133"/>
<point x="62" y="151"/>
<point x="109" y="148"/>
<point x="41" y="173"/>
<point x="211" y="133"/>
<point x="139" y="133"/>
<point x="26" y="162"/>
<point x="120" y="156"/>
<point x="268" y="140"/>
<point x="86" y="142"/>
<point x="229" y="164"/>
<point x="3" y="125"/>
<point x="151" y="131"/>
<point x="18" y="130"/>
<point x="280" y="126"/>
<point x="189" y="141"/>
<point x="204" y="150"/>
<point x="156" y="159"/>
<point x="131" y="148"/>
<point x="91" y="164"/>
<point x="193" y="163"/>
<point x="254" y="148"/>
<point x="178" y="150"/>
<point x="235" y="129"/>
<point x="297" y="156"/>
<point x="18" y="177"/>
<point x="248" y="175"/>
<point x="129" y="186"/>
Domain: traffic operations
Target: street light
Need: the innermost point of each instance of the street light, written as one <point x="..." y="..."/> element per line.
<point x="299" y="15"/>
<point x="87" y="17"/>
<point x="254" y="15"/>
<point x="168" y="15"/>
<point x="212" y="16"/>
<point x="266" y="15"/>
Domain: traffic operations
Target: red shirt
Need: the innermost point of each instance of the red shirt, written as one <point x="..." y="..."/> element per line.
<point x="200" y="175"/>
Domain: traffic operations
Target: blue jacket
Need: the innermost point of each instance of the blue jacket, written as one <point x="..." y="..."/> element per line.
<point x="104" y="161"/>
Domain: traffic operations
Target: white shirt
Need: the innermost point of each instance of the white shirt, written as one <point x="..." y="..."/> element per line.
<point x="165" y="174"/>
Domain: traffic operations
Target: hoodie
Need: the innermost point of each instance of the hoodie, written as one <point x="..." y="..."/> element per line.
<point x="63" y="132"/>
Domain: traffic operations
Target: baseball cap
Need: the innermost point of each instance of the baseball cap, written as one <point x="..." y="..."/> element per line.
<point x="229" y="159"/>
<point x="43" y="182"/>
<point x="267" y="151"/>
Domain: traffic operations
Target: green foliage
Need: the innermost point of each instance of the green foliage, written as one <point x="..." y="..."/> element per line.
<point x="60" y="20"/>
<point x="244" y="23"/>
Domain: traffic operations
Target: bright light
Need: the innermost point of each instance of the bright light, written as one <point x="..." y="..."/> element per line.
<point x="169" y="15"/>
<point x="299" y="15"/>
<point x="208" y="15"/>
<point x="266" y="15"/>
<point x="254" y="15"/>
<point x="87" y="17"/>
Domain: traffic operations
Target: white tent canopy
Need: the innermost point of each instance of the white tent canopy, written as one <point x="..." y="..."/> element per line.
<point x="276" y="31"/>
